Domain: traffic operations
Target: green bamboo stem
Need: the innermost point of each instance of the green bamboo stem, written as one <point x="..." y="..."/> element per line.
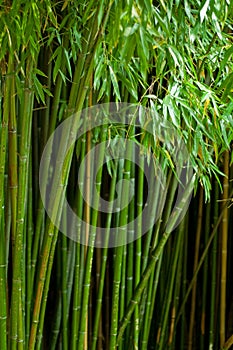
<point x="115" y="297"/>
<point x="16" y="302"/>
<point x="138" y="248"/>
<point x="90" y="250"/>
<point x="177" y="289"/>
<point x="222" y="331"/>
<point x="64" y="293"/>
<point x="3" y="290"/>
<point x="13" y="176"/>
<point x="28" y="243"/>
<point x="170" y="290"/>
<point x="99" y="298"/>
<point x="122" y="288"/>
<point x="120" y="249"/>
<point x="197" y="245"/>
<point x="130" y="264"/>
<point x="150" y="301"/>
<point x="3" y="244"/>
<point x="183" y="322"/>
<point x="37" y="326"/>
<point x="55" y="329"/>
<point x="151" y="237"/>
<point x="205" y="280"/>
<point x="77" y="276"/>
<point x="129" y="283"/>
<point x="214" y="254"/>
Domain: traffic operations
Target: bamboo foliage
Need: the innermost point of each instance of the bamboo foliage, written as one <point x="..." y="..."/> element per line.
<point x="167" y="289"/>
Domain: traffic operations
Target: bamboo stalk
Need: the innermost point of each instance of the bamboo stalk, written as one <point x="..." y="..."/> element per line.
<point x="224" y="253"/>
<point x="194" y="289"/>
<point x="99" y="298"/>
<point x="77" y="275"/>
<point x="3" y="238"/>
<point x="205" y="280"/>
<point x="90" y="250"/>
<point x="138" y="248"/>
<point x="150" y="301"/>
<point x="169" y="291"/>
<point x="214" y="259"/>
<point x="24" y="151"/>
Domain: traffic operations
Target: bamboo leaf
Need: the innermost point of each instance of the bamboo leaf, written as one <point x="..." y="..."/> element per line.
<point x="39" y="90"/>
<point x="114" y="83"/>
<point x="67" y="60"/>
<point x="204" y="10"/>
<point x="57" y="62"/>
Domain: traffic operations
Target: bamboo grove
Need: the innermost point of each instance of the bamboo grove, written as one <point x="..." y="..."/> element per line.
<point x="163" y="290"/>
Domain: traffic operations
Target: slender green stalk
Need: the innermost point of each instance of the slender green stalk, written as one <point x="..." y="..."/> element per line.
<point x="177" y="290"/>
<point x="120" y="239"/>
<point x="17" y="331"/>
<point x="183" y="322"/>
<point x="151" y="294"/>
<point x="205" y="280"/>
<point x="28" y="243"/>
<point x="122" y="288"/>
<point x="224" y="253"/>
<point x="3" y="242"/>
<point x="138" y="248"/>
<point x="77" y="276"/>
<point x="13" y="176"/>
<point x="214" y="254"/>
<point x="90" y="250"/>
<point x="170" y="290"/>
<point x="197" y="244"/>
<point x="64" y="293"/>
<point x="99" y="299"/>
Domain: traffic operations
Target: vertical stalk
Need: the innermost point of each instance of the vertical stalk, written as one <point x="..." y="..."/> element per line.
<point x="77" y="275"/>
<point x="138" y="247"/>
<point x="150" y="302"/>
<point x="99" y="298"/>
<point x="224" y="252"/>
<point x="3" y="199"/>
<point x="29" y="239"/>
<point x="183" y="321"/>
<point x="214" y="258"/>
<point x="121" y="233"/>
<point x="169" y="291"/>
<point x="90" y="250"/>
<point x="17" y="327"/>
<point x="195" y="264"/>
<point x="205" y="280"/>
<point x="64" y="292"/>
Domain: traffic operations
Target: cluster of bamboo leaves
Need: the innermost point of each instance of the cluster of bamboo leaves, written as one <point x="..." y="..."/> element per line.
<point x="165" y="290"/>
